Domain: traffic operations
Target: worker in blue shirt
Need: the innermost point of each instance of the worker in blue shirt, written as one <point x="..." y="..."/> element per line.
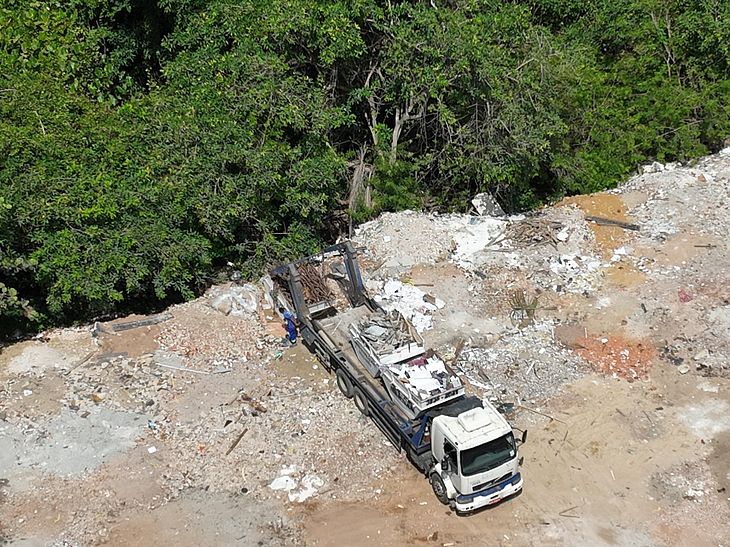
<point x="289" y="325"/>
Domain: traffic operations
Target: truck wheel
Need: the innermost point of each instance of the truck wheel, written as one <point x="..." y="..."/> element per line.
<point x="343" y="382"/>
<point x="439" y="488"/>
<point x="361" y="402"/>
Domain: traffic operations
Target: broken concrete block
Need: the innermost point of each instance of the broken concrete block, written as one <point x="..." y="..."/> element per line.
<point x="375" y="330"/>
<point x="654" y="167"/>
<point x="223" y="304"/>
<point x="486" y="205"/>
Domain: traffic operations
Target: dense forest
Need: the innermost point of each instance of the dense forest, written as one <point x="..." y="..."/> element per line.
<point x="147" y="144"/>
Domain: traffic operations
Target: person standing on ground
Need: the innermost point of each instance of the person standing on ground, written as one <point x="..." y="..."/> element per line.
<point x="289" y="325"/>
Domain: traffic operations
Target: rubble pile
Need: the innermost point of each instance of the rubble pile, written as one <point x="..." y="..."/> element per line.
<point x="209" y="341"/>
<point x="283" y="428"/>
<point x="675" y="198"/>
<point x="398" y="241"/>
<point x="416" y="305"/>
<point x="553" y="246"/>
<point x="136" y="385"/>
<point x="684" y="216"/>
<point x="522" y="365"/>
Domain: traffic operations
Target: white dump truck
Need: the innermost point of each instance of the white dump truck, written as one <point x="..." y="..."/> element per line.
<point x="463" y="445"/>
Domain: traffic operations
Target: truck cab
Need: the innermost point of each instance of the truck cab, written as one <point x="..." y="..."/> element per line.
<point x="477" y="462"/>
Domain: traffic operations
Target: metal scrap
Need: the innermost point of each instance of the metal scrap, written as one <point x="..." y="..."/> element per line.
<point x="314" y="285"/>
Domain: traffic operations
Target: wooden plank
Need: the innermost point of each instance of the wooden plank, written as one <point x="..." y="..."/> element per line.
<point x="610" y="222"/>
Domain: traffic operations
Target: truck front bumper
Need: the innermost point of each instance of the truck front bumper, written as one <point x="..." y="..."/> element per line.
<point x="495" y="494"/>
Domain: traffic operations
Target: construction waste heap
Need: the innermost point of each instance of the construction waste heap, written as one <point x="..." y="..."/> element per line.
<point x="600" y="323"/>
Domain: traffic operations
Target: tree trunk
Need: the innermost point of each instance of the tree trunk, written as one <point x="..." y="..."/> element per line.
<point x="402" y="116"/>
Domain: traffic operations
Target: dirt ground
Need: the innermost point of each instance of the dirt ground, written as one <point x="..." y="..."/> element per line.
<point x="203" y="429"/>
<point x="594" y="475"/>
<point x="632" y="454"/>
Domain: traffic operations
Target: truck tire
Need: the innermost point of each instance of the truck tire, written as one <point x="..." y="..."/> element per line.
<point x="343" y="382"/>
<point x="361" y="402"/>
<point x="439" y="488"/>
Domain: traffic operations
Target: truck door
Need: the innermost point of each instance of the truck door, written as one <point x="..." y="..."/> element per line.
<point x="449" y="462"/>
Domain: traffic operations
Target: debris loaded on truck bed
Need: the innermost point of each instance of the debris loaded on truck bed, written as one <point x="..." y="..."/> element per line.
<point x="383" y="338"/>
<point x="387" y="332"/>
<point x="389" y="347"/>
<point x="420" y="383"/>
<point x="426" y="378"/>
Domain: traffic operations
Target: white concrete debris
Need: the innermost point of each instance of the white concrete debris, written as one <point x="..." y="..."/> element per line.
<point x="235" y="300"/>
<point x="408" y="299"/>
<point x="656" y="167"/>
<point x="474" y="236"/>
<point x="485" y="204"/>
<point x="297" y="490"/>
<point x="284" y="482"/>
<point x="620" y="253"/>
<point x="308" y="487"/>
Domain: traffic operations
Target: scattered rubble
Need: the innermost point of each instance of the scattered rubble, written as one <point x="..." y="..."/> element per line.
<point x="523" y="365"/>
<point x="630" y="284"/>
<point x="687" y="481"/>
<point x="416" y="305"/>
<point x="226" y="342"/>
<point x="68" y="444"/>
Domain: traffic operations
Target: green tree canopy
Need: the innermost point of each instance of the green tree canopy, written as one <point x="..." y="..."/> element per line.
<point x="146" y="144"/>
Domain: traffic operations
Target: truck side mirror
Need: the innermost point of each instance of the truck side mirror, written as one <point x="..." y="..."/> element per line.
<point x="524" y="436"/>
<point x="446" y="464"/>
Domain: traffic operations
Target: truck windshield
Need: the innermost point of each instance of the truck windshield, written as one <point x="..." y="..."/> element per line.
<point x="488" y="455"/>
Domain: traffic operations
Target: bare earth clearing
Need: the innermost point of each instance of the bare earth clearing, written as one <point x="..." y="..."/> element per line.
<point x="175" y="433"/>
